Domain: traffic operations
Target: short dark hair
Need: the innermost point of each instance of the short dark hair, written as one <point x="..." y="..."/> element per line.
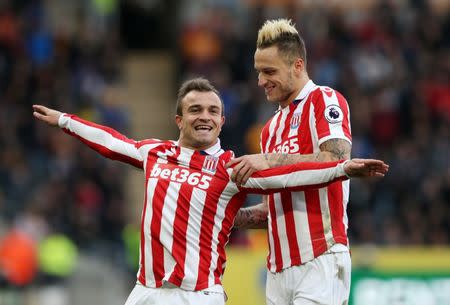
<point x="196" y="84"/>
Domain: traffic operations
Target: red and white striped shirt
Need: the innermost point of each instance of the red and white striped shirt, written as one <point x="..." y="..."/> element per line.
<point x="303" y="225"/>
<point x="190" y="202"/>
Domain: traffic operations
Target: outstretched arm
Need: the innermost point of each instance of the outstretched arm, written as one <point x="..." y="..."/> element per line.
<point x="245" y="166"/>
<point x="311" y="175"/>
<point x="256" y="216"/>
<point x="102" y="139"/>
<point x="330" y="150"/>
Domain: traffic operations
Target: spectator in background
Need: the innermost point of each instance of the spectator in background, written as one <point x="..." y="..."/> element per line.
<point x="54" y="51"/>
<point x="309" y="260"/>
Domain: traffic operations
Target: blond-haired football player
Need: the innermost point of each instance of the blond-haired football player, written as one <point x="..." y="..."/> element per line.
<point x="309" y="260"/>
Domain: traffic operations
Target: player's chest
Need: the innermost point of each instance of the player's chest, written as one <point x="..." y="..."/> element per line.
<point x="290" y="133"/>
<point x="200" y="172"/>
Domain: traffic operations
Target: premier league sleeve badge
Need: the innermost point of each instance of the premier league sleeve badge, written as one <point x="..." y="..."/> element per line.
<point x="334" y="114"/>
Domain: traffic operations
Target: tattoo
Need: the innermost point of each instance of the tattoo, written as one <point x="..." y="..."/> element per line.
<point x="318" y="157"/>
<point x="340" y="148"/>
<point x="278" y="159"/>
<point x="282" y="160"/>
<point x="331" y="150"/>
<point x="251" y="218"/>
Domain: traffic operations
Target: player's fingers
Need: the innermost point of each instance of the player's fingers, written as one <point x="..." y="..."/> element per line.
<point x="37" y="108"/>
<point x="246" y="176"/>
<point x="242" y="173"/>
<point x="373" y="162"/>
<point x="377" y="174"/>
<point x="236" y="171"/>
<point x="358" y="160"/>
<point x="380" y="168"/>
<point x="379" y="171"/>
<point x="383" y="168"/>
<point x="369" y="162"/>
<point x="233" y="162"/>
<point x="40" y="108"/>
<point x="39" y="115"/>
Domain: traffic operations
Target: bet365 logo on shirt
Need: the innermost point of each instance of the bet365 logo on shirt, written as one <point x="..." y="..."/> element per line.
<point x="289" y="146"/>
<point x="181" y="175"/>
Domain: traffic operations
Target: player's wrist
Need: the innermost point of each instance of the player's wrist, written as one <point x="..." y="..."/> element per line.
<point x="61" y="120"/>
<point x="343" y="165"/>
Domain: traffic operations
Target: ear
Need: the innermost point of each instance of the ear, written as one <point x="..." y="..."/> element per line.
<point x="179" y="121"/>
<point x="222" y="122"/>
<point x="299" y="65"/>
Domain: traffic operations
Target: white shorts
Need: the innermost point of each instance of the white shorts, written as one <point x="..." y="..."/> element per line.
<point x="323" y="281"/>
<point x="171" y="295"/>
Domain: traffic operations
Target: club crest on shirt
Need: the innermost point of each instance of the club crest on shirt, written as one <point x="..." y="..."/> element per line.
<point x="295" y="120"/>
<point x="210" y="164"/>
<point x="334" y="114"/>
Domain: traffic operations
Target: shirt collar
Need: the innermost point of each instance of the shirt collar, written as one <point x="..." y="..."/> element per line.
<point x="209" y="151"/>
<point x="305" y="91"/>
<point x="213" y="149"/>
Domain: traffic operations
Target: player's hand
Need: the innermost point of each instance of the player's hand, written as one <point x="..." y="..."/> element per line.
<point x="47" y="115"/>
<point x="245" y="166"/>
<point x="365" y="168"/>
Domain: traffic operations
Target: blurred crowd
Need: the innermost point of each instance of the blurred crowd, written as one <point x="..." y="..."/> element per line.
<point x="390" y="59"/>
<point x="66" y="55"/>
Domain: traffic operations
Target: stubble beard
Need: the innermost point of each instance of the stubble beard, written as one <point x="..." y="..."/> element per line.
<point x="285" y="91"/>
<point x="284" y="96"/>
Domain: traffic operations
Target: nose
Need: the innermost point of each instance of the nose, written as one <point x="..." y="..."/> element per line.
<point x="261" y="80"/>
<point x="204" y="115"/>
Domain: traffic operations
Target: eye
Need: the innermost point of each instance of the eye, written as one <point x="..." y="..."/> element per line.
<point x="214" y="110"/>
<point x="194" y="109"/>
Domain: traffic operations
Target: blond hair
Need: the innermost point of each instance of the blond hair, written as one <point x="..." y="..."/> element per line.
<point x="283" y="34"/>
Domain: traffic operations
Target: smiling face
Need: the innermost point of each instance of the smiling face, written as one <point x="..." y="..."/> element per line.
<point x="281" y="80"/>
<point x="201" y="120"/>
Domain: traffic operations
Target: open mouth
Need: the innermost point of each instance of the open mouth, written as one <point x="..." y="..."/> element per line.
<point x="269" y="89"/>
<point x="203" y="128"/>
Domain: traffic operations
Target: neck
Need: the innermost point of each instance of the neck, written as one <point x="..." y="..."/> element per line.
<point x="193" y="146"/>
<point x="301" y="83"/>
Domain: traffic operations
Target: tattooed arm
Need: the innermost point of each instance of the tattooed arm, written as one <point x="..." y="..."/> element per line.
<point x="331" y="150"/>
<point x="245" y="166"/>
<point x="254" y="217"/>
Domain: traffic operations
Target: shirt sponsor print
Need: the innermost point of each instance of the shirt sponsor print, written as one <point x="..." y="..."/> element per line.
<point x="181" y="175"/>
